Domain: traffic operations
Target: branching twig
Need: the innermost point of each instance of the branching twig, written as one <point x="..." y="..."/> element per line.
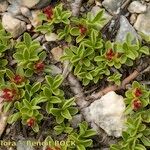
<point x="78" y="91"/>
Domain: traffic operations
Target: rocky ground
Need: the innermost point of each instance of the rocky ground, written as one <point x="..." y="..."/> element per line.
<point x="123" y="16"/>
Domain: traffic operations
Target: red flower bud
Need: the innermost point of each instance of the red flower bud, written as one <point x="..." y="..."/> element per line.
<point x="138" y="92"/>
<point x="48" y="11"/>
<point x="8" y="94"/>
<point x="82" y="29"/>
<point x="48" y="148"/>
<point x="31" y="122"/>
<point x="39" y="66"/>
<point x="18" y="79"/>
<point x="137" y="104"/>
<point x="110" y="54"/>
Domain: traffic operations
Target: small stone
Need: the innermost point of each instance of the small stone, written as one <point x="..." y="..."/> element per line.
<point x="29" y="26"/>
<point x="57" y="53"/>
<point x="113" y="6"/>
<point x="42" y="4"/>
<point x="3" y="6"/>
<point x="35" y="21"/>
<point x="26" y="12"/>
<point x="96" y="9"/>
<point x="14" y="9"/>
<point x="51" y="37"/>
<point x="133" y="18"/>
<point x="142" y="23"/>
<point x="76" y="120"/>
<point x="29" y="3"/>
<point x="137" y="7"/>
<point x="107" y="113"/>
<point x="125" y="28"/>
<point x="13" y="25"/>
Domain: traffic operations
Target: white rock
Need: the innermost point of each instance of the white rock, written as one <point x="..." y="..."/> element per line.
<point x="108" y="113"/>
<point x="125" y="28"/>
<point x="51" y="37"/>
<point x="26" y="12"/>
<point x="29" y="3"/>
<point x="57" y="52"/>
<point x="3" y="6"/>
<point x="35" y="21"/>
<point x="14" y="9"/>
<point x="113" y="6"/>
<point x="142" y="23"/>
<point x="13" y="25"/>
<point x="133" y="18"/>
<point x="137" y="7"/>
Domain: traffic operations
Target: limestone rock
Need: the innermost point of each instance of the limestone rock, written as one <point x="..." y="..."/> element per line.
<point x="26" y="12"/>
<point x="107" y="113"/>
<point x="137" y="7"/>
<point x="23" y="145"/>
<point x="112" y="6"/>
<point x="14" y="9"/>
<point x="125" y="28"/>
<point x="3" y="6"/>
<point x="142" y="23"/>
<point x="13" y="25"/>
<point x="29" y="3"/>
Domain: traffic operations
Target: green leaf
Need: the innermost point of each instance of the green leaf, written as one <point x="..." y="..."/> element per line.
<point x="75" y="31"/>
<point x="49" y="106"/>
<point x="55" y="100"/>
<point x="57" y="81"/>
<point x="98" y="16"/>
<point x="13" y="118"/>
<point x="49" y="80"/>
<point x="146" y="141"/>
<point x="59" y="119"/>
<point x="35" y="128"/>
<point x="89" y="76"/>
<point x="9" y="73"/>
<point x="66" y="114"/>
<point x="27" y="39"/>
<point x="36" y="86"/>
<point x="55" y="111"/>
<point x="68" y="103"/>
<point x="145" y="50"/>
<point x="140" y="147"/>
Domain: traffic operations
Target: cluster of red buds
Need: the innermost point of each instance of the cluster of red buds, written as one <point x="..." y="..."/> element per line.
<point x="8" y="95"/>
<point x="110" y="54"/>
<point x="82" y="29"/>
<point x="17" y="79"/>
<point x="48" y="11"/>
<point x="31" y="122"/>
<point x="39" y="66"/>
<point x="136" y="102"/>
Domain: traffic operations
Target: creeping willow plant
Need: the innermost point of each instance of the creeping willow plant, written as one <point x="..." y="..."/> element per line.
<point x="29" y="56"/>
<point x="137" y="134"/>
